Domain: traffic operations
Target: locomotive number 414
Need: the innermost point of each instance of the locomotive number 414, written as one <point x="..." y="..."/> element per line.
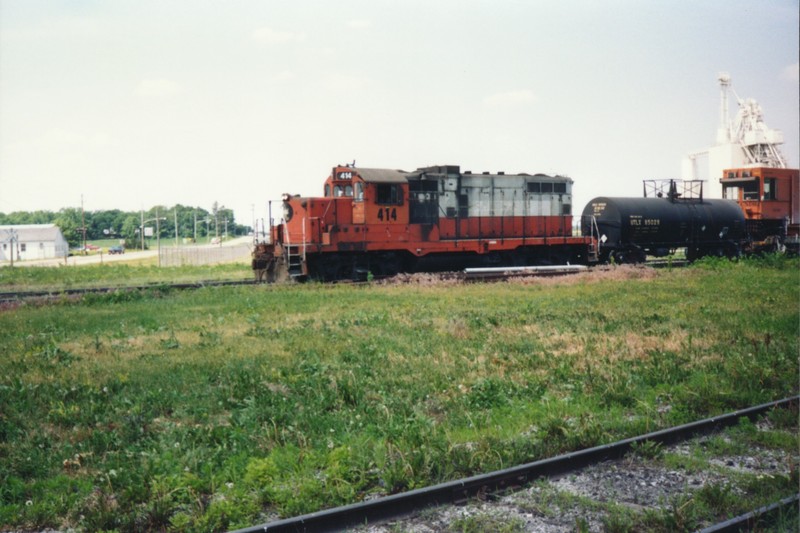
<point x="387" y="213"/>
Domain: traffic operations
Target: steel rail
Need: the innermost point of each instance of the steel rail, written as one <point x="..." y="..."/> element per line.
<point x="397" y="505"/>
<point x="749" y="521"/>
<point x="492" y="273"/>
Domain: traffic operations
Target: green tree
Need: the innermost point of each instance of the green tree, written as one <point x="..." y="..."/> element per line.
<point x="130" y="230"/>
<point x="68" y="220"/>
<point x="105" y="224"/>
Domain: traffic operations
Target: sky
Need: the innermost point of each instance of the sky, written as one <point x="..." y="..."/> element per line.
<point x="128" y="104"/>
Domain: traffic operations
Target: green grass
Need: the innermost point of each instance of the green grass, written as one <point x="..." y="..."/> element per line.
<point x="113" y="275"/>
<point x="213" y="409"/>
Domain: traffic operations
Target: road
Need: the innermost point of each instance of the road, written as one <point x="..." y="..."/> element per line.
<point x="102" y="258"/>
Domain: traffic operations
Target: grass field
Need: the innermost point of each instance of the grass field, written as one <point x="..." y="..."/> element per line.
<point x="116" y="275"/>
<point x="224" y="407"/>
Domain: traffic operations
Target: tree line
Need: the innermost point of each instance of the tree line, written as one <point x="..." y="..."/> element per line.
<point x="192" y="223"/>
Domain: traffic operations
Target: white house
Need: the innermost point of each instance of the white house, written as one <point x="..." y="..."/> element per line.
<point x="32" y="241"/>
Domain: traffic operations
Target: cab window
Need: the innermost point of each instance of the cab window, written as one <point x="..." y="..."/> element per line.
<point x="750" y="190"/>
<point x="769" y="189"/>
<point x="388" y="194"/>
<point x="340" y="191"/>
<point x="359" y="191"/>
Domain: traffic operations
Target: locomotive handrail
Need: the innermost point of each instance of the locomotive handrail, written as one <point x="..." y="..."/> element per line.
<point x="304" y="239"/>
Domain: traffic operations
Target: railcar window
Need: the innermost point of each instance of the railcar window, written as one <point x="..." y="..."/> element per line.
<point x="534" y="187"/>
<point x="751" y="190"/>
<point x="731" y="193"/>
<point x="348" y="191"/>
<point x="388" y="194"/>
<point x="769" y="189"/>
<point x="338" y="191"/>
<point x="327" y="191"/>
<point x="560" y="187"/>
<point x="547" y="187"/>
<point x="359" y="191"/>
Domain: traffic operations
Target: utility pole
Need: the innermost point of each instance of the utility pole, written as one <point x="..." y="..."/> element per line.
<point x="158" y="238"/>
<point x="83" y="228"/>
<point x="12" y="243"/>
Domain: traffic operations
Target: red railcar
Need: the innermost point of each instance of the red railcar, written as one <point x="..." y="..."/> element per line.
<point x="770" y="199"/>
<point x="383" y="221"/>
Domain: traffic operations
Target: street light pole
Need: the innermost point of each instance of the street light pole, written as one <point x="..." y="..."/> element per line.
<point x="158" y="238"/>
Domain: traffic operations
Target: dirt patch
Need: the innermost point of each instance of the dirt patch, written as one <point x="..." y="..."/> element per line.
<point x="595" y="274"/>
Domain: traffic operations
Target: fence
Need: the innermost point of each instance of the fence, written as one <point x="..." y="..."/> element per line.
<point x="204" y="255"/>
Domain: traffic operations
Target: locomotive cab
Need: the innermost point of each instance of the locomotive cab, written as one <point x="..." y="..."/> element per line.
<point x="340" y="183"/>
<point x="770" y="199"/>
<point x="378" y="195"/>
<point x="381" y="197"/>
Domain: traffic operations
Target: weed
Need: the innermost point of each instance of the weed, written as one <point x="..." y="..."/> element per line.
<point x="202" y="410"/>
<point x="478" y="523"/>
<point x="648" y="449"/>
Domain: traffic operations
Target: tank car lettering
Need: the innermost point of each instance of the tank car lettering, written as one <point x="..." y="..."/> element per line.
<point x="652" y="222"/>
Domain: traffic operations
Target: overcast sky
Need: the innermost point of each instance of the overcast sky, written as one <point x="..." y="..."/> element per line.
<point x="144" y="102"/>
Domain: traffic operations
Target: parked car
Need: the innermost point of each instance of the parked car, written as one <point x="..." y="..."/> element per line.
<point x="116" y="250"/>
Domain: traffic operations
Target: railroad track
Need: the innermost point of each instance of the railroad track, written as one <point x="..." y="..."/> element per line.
<point x="478" y="487"/>
<point x="468" y="275"/>
<point x="18" y="296"/>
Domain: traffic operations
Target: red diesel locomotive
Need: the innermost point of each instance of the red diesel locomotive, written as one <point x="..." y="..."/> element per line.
<point x="382" y="222"/>
<point x="770" y="200"/>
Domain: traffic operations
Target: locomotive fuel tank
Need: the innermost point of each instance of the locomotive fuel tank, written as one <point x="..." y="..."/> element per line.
<point x="629" y="229"/>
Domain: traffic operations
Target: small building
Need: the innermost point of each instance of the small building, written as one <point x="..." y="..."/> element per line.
<point x="32" y="241"/>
